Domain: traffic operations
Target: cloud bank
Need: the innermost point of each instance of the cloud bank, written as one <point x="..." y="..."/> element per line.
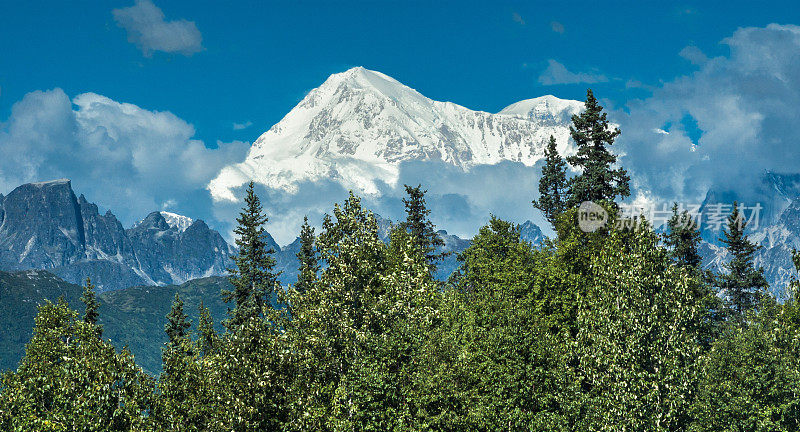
<point x="729" y="121"/>
<point x="147" y="29"/>
<point x="124" y="157"/>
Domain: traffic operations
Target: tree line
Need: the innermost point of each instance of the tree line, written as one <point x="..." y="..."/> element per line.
<point x="617" y="329"/>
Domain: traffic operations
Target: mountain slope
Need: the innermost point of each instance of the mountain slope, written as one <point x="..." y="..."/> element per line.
<point x="132" y="317"/>
<point x="360" y="125"/>
<point x="45" y="226"/>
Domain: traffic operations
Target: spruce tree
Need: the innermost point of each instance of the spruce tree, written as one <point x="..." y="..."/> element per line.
<point x="307" y="256"/>
<point x="682" y="239"/>
<point x="252" y="277"/>
<point x="744" y="283"/>
<point x="177" y="323"/>
<point x="552" y="184"/>
<point x="207" y="336"/>
<point x="91" y="314"/>
<point x="422" y="230"/>
<point x="599" y="181"/>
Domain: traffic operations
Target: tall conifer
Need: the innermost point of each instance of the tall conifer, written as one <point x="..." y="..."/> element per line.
<point x="207" y="336"/>
<point x="599" y="181"/>
<point x="91" y="314"/>
<point x="682" y="239"/>
<point x="553" y="183"/>
<point x="307" y="256"/>
<point x="422" y="230"/>
<point x="177" y="323"/>
<point x="744" y="283"/>
<point x="252" y="276"/>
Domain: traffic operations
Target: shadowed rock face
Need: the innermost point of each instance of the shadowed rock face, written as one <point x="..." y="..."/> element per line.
<point x="44" y="226"/>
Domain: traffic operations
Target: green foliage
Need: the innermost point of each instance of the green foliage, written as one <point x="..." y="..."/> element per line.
<point x="682" y="239"/>
<point x="552" y="183"/>
<point x="744" y="284"/>
<point x="249" y="376"/>
<point x="355" y="333"/>
<point x="639" y="337"/>
<point x="70" y="380"/>
<point x="751" y="379"/>
<point x="422" y="230"/>
<point x="207" y="337"/>
<point x="499" y="359"/>
<point x="91" y="313"/>
<point x="252" y="276"/>
<point x="598" y="181"/>
<point x="177" y="327"/>
<point x="307" y="256"/>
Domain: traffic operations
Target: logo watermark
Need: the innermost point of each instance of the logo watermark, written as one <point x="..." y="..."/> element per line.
<point x="591" y="217"/>
<point x="712" y="217"/>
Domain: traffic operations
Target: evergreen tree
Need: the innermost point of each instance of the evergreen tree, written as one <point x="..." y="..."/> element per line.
<point x="598" y="180"/>
<point x="309" y="266"/>
<point x="207" y="336"/>
<point x="91" y="314"/>
<point x="552" y="184"/>
<point x="744" y="283"/>
<point x="177" y="323"/>
<point x="252" y="277"/>
<point x="422" y="230"/>
<point x="682" y="239"/>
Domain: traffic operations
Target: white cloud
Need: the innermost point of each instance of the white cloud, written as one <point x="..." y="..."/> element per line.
<point x="121" y="156"/>
<point x="147" y="29"/>
<point x="557" y="73"/>
<point x="518" y="18"/>
<point x="557" y="27"/>
<point x="694" y="55"/>
<point x="241" y="126"/>
<point x="745" y="107"/>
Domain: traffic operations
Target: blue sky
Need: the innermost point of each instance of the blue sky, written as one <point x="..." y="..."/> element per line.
<point x="204" y="74"/>
<point x="259" y="58"/>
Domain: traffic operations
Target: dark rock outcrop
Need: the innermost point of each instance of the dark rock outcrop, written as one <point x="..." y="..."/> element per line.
<point x="45" y="226"/>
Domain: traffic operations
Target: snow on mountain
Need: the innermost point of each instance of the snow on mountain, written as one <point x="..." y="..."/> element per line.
<point x="360" y="125"/>
<point x="548" y="110"/>
<point x="175" y="220"/>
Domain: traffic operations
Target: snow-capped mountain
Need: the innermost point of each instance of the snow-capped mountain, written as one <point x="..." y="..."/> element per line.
<point x="360" y="125"/>
<point x="174" y="220"/>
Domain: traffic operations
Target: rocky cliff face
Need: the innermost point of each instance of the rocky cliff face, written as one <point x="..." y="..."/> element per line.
<point x="45" y="226"/>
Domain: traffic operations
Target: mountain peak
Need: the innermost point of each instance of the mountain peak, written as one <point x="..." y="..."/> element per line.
<point x="50" y="183"/>
<point x="174" y="220"/>
<point x="363" y="77"/>
<point x="360" y="125"/>
<point x="545" y="108"/>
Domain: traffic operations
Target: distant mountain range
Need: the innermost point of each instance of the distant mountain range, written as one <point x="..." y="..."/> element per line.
<point x="45" y="226"/>
<point x="356" y="128"/>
